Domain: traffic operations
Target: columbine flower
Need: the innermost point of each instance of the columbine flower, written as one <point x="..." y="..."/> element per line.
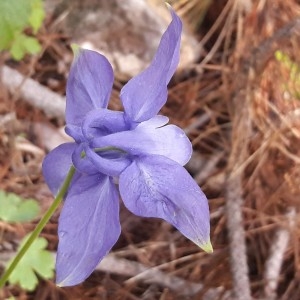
<point x="134" y="148"/>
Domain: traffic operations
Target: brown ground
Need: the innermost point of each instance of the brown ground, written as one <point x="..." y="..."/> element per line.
<point x="240" y="108"/>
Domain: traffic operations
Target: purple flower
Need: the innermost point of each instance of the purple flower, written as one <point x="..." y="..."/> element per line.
<point x="134" y="148"/>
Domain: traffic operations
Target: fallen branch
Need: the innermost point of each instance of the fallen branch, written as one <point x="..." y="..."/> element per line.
<point x="236" y="234"/>
<point x="127" y="268"/>
<point x="124" y="267"/>
<point x="37" y="95"/>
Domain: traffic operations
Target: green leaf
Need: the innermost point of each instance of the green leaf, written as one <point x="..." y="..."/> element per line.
<point x="14" y="209"/>
<point x="37" y="260"/>
<point x="17" y="50"/>
<point x="23" y="44"/>
<point x="292" y="82"/>
<point x="14" y="16"/>
<point x="32" y="45"/>
<point x="15" y="13"/>
<point x="6" y="34"/>
<point x="37" y="15"/>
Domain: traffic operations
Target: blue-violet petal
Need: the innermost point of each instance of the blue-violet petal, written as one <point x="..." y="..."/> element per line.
<point x="75" y="131"/>
<point x="81" y="161"/>
<point x="154" y="186"/>
<point x="101" y="122"/>
<point x="169" y="141"/>
<point x="111" y="162"/>
<point x="56" y="166"/>
<point x="145" y="94"/>
<point x="88" y="228"/>
<point x="89" y="85"/>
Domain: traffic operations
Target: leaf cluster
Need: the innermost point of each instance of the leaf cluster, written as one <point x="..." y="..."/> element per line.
<point x="37" y="261"/>
<point x="15" y="16"/>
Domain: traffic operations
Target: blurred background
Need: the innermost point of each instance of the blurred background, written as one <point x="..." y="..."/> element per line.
<point x="236" y="94"/>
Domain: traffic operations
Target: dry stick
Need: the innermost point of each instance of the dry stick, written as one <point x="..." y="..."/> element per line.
<point x="250" y="74"/>
<point x="121" y="266"/>
<point x="234" y="202"/>
<point x="34" y="93"/>
<point x="275" y="260"/>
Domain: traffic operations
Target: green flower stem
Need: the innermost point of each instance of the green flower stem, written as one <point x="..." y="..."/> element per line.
<point x="40" y="226"/>
<point x="109" y="148"/>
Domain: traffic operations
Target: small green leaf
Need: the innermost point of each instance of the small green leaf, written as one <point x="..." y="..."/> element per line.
<point x="14" y="13"/>
<point x="279" y="55"/>
<point x="14" y="209"/>
<point x="6" y="34"/>
<point x="17" y="50"/>
<point x="24" y="44"/>
<point x="15" y="16"/>
<point x="292" y="69"/>
<point x="37" y="15"/>
<point x="37" y="260"/>
<point x="32" y="45"/>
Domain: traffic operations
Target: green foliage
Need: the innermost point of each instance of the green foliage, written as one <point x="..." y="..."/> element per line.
<point x="293" y="73"/>
<point x="15" y="209"/>
<point x="37" y="15"/>
<point x="36" y="261"/>
<point x="15" y="15"/>
<point x="24" y="44"/>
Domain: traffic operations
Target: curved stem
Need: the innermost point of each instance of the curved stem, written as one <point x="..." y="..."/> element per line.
<point x="109" y="148"/>
<point x="40" y="226"/>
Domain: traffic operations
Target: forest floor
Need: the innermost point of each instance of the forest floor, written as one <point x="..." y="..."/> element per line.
<point x="239" y="104"/>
